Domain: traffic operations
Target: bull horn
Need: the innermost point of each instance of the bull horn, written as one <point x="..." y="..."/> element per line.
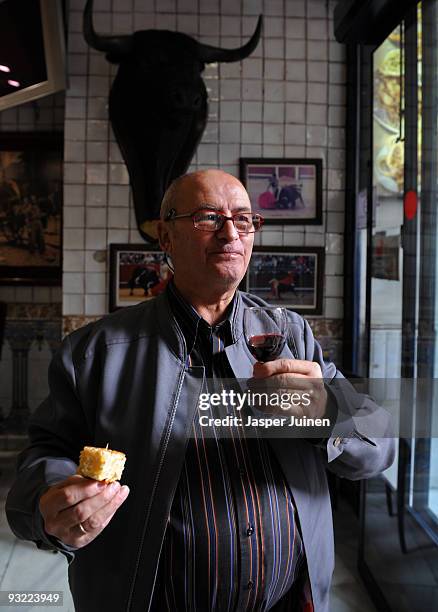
<point x="209" y="54"/>
<point x="113" y="45"/>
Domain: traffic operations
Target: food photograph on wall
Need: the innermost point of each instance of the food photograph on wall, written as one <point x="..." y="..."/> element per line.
<point x="388" y="114"/>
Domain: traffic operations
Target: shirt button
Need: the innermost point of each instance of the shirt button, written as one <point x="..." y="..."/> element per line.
<point x="250" y="531"/>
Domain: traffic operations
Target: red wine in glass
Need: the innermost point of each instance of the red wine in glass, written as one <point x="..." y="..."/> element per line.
<point x="265" y="329"/>
<point x="266" y="347"/>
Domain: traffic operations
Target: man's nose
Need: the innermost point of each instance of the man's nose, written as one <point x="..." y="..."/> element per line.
<point x="228" y="231"/>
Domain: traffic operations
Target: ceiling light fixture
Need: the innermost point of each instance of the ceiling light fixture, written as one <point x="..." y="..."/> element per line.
<point x="4" y="68"/>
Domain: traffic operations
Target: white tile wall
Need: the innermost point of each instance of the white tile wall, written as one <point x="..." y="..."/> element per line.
<point x="95" y="304"/>
<point x="46" y="114"/>
<point x="333" y="308"/>
<point x="287" y="99"/>
<point x="73" y="303"/>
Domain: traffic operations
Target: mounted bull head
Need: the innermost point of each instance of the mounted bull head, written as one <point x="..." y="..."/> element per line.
<point x="158" y="105"/>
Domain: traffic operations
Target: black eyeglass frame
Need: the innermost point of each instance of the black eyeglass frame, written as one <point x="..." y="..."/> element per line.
<point x="171" y="216"/>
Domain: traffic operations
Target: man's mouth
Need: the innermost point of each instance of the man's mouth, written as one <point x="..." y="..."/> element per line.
<point x="226" y="254"/>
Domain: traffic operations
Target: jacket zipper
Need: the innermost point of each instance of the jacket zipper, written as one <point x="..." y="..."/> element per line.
<point x="160" y="465"/>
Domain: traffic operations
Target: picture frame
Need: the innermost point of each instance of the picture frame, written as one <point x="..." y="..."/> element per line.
<point x="41" y="64"/>
<point x="284" y="191"/>
<point x="31" y="195"/>
<point x="287" y="276"/>
<point x="138" y="272"/>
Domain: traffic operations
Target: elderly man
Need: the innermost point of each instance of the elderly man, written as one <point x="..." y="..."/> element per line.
<point x="237" y="522"/>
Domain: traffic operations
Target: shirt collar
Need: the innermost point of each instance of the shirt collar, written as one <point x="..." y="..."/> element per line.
<point x="191" y="323"/>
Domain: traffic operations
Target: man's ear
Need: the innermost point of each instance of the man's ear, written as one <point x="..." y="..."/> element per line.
<point x="164" y="237"/>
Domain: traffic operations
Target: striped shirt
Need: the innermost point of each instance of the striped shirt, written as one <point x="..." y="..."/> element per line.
<point x="232" y="540"/>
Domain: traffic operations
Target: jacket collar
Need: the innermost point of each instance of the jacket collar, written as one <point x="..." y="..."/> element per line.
<point x="169" y="329"/>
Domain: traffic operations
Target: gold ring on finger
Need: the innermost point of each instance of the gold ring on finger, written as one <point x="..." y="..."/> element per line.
<point x="81" y="527"/>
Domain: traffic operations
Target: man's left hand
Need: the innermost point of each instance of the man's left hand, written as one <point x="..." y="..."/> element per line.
<point x="294" y="376"/>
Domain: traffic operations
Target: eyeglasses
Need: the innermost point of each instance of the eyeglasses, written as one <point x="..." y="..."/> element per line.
<point x="213" y="221"/>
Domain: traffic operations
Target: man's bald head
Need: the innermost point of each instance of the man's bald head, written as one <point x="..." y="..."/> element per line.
<point x="206" y="263"/>
<point x="200" y="177"/>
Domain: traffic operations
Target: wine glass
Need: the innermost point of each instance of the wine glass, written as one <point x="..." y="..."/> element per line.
<point x="265" y="330"/>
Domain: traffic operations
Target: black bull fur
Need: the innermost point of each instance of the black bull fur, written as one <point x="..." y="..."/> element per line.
<point x="158" y="106"/>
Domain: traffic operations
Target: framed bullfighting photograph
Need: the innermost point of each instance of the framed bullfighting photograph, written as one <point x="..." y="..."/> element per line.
<point x="138" y="272"/>
<point x="284" y="191"/>
<point x="31" y="208"/>
<point x="287" y="277"/>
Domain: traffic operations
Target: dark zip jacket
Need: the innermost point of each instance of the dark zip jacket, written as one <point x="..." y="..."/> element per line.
<point x="124" y="380"/>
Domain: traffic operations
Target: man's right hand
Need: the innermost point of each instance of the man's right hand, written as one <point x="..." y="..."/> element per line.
<point x="78" y="500"/>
